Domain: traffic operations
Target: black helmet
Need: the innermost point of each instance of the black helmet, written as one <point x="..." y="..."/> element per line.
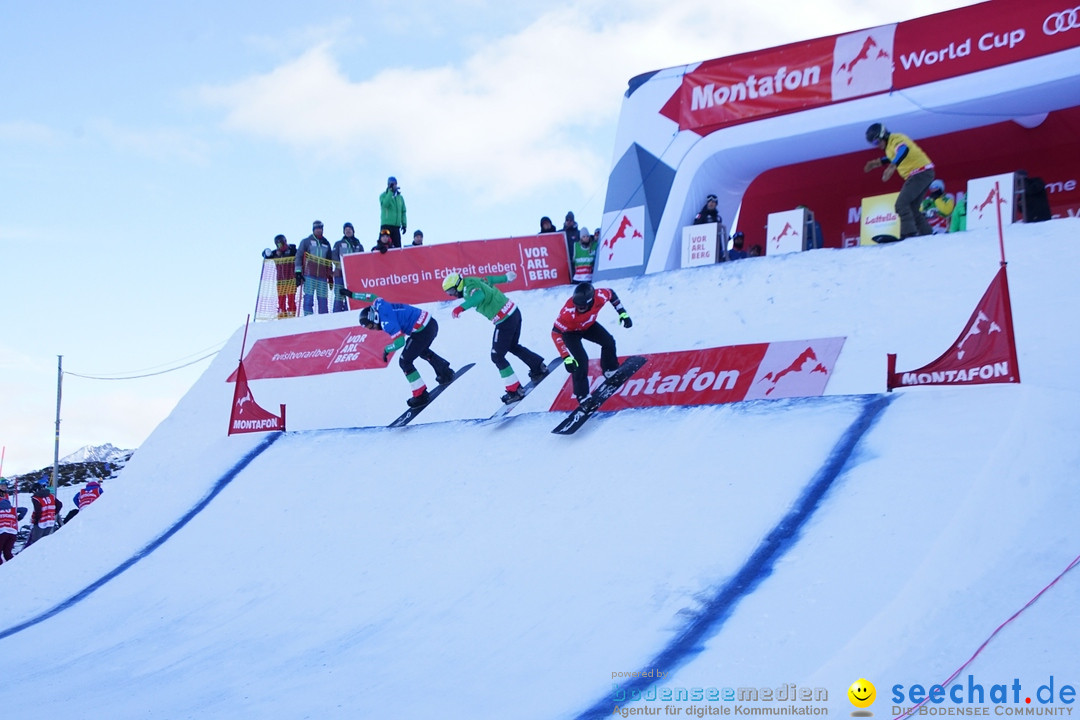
<point x="876" y="132"/>
<point x="369" y="318"/>
<point x="738" y="238"/>
<point x="584" y="294"/>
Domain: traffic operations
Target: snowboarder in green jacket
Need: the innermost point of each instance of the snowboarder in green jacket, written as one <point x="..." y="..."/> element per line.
<point x="480" y="293"/>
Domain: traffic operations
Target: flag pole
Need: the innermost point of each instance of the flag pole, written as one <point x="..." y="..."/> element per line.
<point x="1001" y="230"/>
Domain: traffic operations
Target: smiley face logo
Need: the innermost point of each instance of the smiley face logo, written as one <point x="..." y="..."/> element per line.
<point x="862" y="693"/>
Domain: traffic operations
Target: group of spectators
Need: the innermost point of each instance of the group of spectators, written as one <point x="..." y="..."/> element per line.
<point x="580" y="245"/>
<point x="732" y="248"/>
<point x="316" y="266"/>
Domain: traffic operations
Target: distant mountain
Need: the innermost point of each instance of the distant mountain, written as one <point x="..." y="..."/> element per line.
<point x="100" y="462"/>
<point x="107" y="453"/>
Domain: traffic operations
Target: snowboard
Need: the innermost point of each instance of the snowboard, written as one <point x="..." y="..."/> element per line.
<point x="528" y="388"/>
<point x="409" y="415"/>
<point x="597" y="397"/>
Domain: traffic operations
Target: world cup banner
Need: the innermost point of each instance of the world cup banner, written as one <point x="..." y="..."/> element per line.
<point x="713" y="376"/>
<point x="415" y="274"/>
<point x="315" y="353"/>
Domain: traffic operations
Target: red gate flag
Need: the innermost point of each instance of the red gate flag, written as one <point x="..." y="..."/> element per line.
<point x="984" y="353"/>
<point x="247" y="416"/>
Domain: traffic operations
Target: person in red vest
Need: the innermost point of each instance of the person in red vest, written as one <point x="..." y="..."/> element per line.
<point x="91" y="492"/>
<point x="46" y="510"/>
<point x="9" y="523"/>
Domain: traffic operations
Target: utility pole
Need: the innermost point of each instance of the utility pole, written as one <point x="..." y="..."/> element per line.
<point x="56" y="446"/>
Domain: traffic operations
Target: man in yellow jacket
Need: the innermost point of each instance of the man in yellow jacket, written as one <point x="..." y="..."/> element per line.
<point x="903" y="155"/>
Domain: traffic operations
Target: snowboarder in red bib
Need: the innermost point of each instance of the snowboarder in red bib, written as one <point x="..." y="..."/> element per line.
<point x="46" y="511"/>
<point x="9" y="523"/>
<point x="409" y="327"/>
<point x="480" y="293"/>
<point x="577" y="322"/>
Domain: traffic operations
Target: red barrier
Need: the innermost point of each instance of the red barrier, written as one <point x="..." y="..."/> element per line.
<point x="415" y="274"/>
<point x="797" y="368"/>
<point x="315" y="353"/>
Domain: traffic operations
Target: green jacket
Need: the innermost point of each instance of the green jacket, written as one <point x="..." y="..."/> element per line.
<point x="489" y="301"/>
<point x="392" y="207"/>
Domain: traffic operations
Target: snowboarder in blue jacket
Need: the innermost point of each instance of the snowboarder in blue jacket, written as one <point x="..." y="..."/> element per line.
<point x="409" y="327"/>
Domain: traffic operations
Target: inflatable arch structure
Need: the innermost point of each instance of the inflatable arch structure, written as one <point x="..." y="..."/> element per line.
<point x="716" y="126"/>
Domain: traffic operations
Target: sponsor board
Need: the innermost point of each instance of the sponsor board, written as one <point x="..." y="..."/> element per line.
<point x="415" y="274"/>
<point x="797" y="368"/>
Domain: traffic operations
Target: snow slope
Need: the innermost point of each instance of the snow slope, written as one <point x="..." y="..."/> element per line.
<point x="459" y="570"/>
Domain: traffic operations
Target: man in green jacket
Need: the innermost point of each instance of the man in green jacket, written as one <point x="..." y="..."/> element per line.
<point x="480" y="293"/>
<point x="392" y="211"/>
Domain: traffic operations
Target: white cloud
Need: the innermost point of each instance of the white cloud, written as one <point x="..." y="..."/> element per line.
<point x="517" y="114"/>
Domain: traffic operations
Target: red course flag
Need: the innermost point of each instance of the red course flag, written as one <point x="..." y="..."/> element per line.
<point x="984" y="353"/>
<point x="247" y="416"/>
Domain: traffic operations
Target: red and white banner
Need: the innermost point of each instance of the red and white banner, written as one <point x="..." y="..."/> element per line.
<point x="316" y="353"/>
<point x="797" y="368"/>
<point x="984" y="353"/>
<point x="415" y="274"/>
<point x="247" y="416"/>
<point x="798" y="76"/>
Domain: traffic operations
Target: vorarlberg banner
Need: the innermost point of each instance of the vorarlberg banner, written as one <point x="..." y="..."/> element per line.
<point x="714" y="126"/>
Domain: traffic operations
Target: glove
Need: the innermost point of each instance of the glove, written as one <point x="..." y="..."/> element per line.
<point x="511" y="276"/>
<point x="299" y="278"/>
<point x="625" y="320"/>
<point x="570" y="364"/>
<point x="404" y="230"/>
<point x="386" y="355"/>
<point x="888" y="172"/>
<point x="457" y="311"/>
<point x="344" y="291"/>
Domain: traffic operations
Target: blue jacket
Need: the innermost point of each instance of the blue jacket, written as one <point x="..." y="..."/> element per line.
<point x="400" y="319"/>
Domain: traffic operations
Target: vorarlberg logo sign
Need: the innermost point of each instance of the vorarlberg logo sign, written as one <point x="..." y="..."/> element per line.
<point x="974" y="698"/>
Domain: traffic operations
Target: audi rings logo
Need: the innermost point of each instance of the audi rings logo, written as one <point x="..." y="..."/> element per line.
<point x="1062" y="21"/>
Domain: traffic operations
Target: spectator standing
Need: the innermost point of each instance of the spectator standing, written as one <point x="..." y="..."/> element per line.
<point x="480" y="293"/>
<point x="392" y="209"/>
<point x="9" y="523"/>
<point x="958" y="220"/>
<point x="411" y="328"/>
<point x="286" y="282"/>
<point x="584" y="257"/>
<point x="347" y="245"/>
<point x="938" y="207"/>
<point x="46" y="511"/>
<point x="313" y="268"/>
<point x="577" y="322"/>
<point x="737" y="252"/>
<point x="546" y="226"/>
<point x="417" y="238"/>
<point x="384" y="243"/>
<point x="708" y="213"/>
<point x="573" y="234"/>
<point x="903" y="155"/>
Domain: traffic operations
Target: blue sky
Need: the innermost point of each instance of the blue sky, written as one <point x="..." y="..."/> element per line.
<point x="151" y="151"/>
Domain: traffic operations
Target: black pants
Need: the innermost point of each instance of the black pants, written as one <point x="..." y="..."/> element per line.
<point x="909" y="205"/>
<point x="609" y="360"/>
<point x="507" y="339"/>
<point x="418" y="345"/>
